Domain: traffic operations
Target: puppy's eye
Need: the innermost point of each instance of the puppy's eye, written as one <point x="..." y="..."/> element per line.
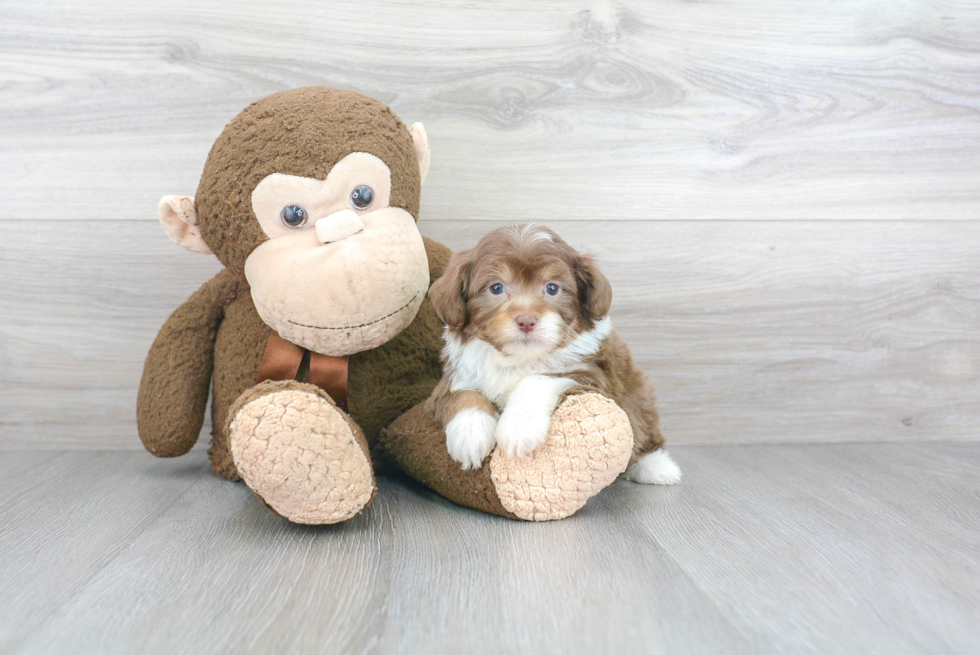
<point x="294" y="216"/>
<point x="496" y="289"/>
<point x="551" y="289"/>
<point x="361" y="196"/>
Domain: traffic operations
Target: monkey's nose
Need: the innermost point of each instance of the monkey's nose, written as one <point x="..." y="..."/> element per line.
<point x="526" y="323"/>
<point x="338" y="225"/>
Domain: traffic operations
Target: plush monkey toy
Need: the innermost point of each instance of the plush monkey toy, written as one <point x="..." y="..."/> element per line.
<point x="318" y="333"/>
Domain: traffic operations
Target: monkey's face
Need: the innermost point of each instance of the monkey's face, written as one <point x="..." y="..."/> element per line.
<point x="312" y="195"/>
<point x="342" y="271"/>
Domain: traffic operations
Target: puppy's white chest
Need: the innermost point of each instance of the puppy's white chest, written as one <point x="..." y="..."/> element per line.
<point x="498" y="388"/>
<point x="480" y="370"/>
<point x="478" y="366"/>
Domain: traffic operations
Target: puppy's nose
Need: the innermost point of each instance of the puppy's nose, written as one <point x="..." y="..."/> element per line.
<point x="338" y="225"/>
<point x="526" y="323"/>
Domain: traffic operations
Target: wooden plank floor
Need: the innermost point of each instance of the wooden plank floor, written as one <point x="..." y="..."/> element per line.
<point x="850" y="548"/>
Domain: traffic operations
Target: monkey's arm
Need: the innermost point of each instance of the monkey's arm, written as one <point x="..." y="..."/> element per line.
<point x="173" y="393"/>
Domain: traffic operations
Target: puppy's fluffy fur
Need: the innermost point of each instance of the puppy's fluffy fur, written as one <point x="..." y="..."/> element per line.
<point x="525" y="321"/>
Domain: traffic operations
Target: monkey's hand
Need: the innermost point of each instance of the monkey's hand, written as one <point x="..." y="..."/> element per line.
<point x="173" y="393"/>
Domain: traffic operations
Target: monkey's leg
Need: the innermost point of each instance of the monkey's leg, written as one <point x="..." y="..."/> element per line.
<point x="301" y="455"/>
<point x="588" y="446"/>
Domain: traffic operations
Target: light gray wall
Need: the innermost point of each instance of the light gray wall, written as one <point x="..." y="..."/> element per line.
<point x="786" y="196"/>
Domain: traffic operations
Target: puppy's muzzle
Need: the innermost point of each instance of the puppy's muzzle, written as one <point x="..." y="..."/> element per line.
<point x="526" y="323"/>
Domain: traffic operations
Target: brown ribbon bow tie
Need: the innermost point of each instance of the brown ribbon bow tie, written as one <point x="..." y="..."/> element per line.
<point x="282" y="361"/>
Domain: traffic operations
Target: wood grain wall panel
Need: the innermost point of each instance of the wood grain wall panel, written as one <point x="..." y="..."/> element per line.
<point x="81" y="303"/>
<point x="569" y="109"/>
<point x="792" y="331"/>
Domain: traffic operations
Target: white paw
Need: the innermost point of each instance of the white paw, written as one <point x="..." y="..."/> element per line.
<point x="522" y="428"/>
<point x="655" y="468"/>
<point x="469" y="437"/>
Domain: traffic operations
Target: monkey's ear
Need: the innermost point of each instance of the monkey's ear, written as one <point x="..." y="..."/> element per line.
<point x="450" y="292"/>
<point x="421" y="141"/>
<point x="594" y="290"/>
<point x="178" y="214"/>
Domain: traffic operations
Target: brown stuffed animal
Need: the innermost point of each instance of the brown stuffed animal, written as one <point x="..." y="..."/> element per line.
<point x="318" y="333"/>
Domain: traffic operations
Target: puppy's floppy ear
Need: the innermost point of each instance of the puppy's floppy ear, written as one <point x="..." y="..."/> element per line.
<point x="450" y="292"/>
<point x="594" y="290"/>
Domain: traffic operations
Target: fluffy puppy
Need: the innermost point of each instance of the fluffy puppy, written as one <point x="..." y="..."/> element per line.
<point x="526" y="320"/>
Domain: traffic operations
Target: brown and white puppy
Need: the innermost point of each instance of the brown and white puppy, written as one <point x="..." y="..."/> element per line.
<point x="525" y="321"/>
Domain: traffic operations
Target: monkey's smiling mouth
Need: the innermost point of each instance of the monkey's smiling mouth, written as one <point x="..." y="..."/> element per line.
<point x="351" y="327"/>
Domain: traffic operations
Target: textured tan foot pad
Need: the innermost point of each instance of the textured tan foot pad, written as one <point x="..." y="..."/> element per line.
<point x="589" y="446"/>
<point x="298" y="454"/>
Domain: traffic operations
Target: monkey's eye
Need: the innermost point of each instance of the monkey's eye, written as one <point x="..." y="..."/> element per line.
<point x="551" y="289"/>
<point x="361" y="196"/>
<point x="496" y="289"/>
<point x="294" y="216"/>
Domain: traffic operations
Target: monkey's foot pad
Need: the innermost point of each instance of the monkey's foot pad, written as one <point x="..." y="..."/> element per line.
<point x="589" y="446"/>
<point x="297" y="453"/>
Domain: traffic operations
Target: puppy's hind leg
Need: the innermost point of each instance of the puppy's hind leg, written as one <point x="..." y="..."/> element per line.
<point x="655" y="467"/>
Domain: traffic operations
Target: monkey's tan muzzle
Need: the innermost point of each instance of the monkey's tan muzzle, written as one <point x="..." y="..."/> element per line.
<point x="338" y="225"/>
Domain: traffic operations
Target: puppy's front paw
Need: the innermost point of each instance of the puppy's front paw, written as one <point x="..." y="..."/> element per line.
<point x="469" y="437"/>
<point x="522" y="428"/>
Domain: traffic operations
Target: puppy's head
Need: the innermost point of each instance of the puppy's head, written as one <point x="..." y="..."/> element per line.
<point x="523" y="290"/>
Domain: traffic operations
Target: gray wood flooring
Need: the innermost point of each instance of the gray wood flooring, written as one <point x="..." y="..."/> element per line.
<point x="850" y="548"/>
